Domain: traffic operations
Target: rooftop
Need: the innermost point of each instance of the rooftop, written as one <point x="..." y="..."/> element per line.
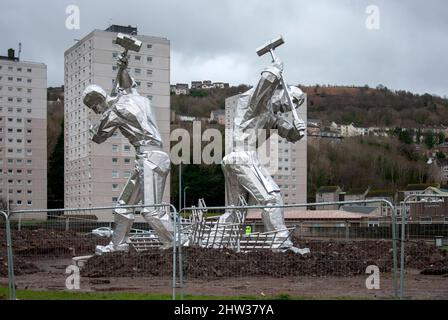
<point x="123" y="29"/>
<point x="295" y="214"/>
<point x="420" y="186"/>
<point x="327" y="189"/>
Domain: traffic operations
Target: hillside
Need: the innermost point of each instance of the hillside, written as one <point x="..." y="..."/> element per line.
<point x="363" y="106"/>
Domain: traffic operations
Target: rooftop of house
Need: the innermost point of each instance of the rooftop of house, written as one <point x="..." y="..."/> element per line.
<point x="301" y="214"/>
<point x="355" y="191"/>
<point x="380" y="193"/>
<point x="328" y="189"/>
<point x="420" y="186"/>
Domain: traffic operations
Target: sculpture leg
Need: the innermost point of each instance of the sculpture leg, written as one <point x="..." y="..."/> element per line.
<point x="156" y="166"/>
<point x="233" y="191"/>
<point x="124" y="218"/>
<point x="254" y="178"/>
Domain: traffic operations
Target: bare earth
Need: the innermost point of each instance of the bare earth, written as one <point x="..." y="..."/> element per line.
<point x="52" y="277"/>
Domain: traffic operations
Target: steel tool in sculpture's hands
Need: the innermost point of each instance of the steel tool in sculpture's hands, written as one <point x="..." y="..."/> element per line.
<point x="128" y="43"/>
<point x="270" y="46"/>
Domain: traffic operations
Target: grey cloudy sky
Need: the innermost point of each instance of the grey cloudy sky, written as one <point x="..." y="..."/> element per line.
<point x="327" y="41"/>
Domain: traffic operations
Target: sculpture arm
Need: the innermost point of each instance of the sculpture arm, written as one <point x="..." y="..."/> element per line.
<point x="105" y="127"/>
<point x="291" y="132"/>
<point x="124" y="81"/>
<point x="265" y="88"/>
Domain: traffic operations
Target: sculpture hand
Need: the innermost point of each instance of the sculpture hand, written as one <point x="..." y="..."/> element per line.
<point x="300" y="126"/>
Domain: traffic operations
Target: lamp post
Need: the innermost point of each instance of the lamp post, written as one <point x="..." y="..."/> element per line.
<point x="185" y="195"/>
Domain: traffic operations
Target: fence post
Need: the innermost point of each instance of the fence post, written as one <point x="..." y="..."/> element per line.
<point x="10" y="261"/>
<point x="347" y="230"/>
<point x="394" y="249"/>
<point x="402" y="247"/>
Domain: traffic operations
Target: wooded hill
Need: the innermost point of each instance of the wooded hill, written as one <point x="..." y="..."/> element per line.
<point x="364" y="106"/>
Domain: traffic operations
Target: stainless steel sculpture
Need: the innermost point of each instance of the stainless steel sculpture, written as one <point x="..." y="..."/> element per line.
<point x="130" y="113"/>
<point x="261" y="108"/>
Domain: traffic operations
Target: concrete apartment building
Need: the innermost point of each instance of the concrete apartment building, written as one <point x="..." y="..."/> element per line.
<point x="95" y="174"/>
<point x="292" y="157"/>
<point x="23" y="133"/>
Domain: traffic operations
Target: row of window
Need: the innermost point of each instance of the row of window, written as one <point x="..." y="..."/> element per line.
<point x="136" y="57"/>
<point x="18" y="89"/>
<point x="116" y="148"/>
<point x="19" y="100"/>
<point x="18" y="79"/>
<point x="17" y="161"/>
<point x="18" y="171"/>
<point x="29" y="152"/>
<point x="116" y="174"/>
<point x="17" y="130"/>
<point x="16" y="182"/>
<point x="18" y="69"/>
<point x="18" y="110"/>
<point x="18" y="120"/>
<point x="125" y="160"/>
<point x="20" y="202"/>
<point x="11" y="140"/>
<point x="18" y="191"/>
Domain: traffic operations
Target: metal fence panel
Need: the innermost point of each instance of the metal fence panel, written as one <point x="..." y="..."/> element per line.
<point x="340" y="256"/>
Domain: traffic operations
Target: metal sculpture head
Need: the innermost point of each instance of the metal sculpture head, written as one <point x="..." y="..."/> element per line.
<point x="94" y="97"/>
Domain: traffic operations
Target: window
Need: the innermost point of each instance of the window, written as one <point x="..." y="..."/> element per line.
<point x="126" y="174"/>
<point x="137" y="58"/>
<point x="149" y="84"/>
<point x="29" y="80"/>
<point x="138" y="71"/>
<point x="29" y="202"/>
<point x="127" y="160"/>
<point x="149" y="46"/>
<point x="115" y="186"/>
<point x="148" y="59"/>
<point x="373" y="223"/>
<point x="148" y="72"/>
<point x="19" y="202"/>
<point x="114" y="160"/>
<point x="115" y="174"/>
<point x="425" y="220"/>
<point x="114" y="54"/>
<point x="28" y="70"/>
<point x="115" y="148"/>
<point x="127" y="148"/>
<point x="114" y="200"/>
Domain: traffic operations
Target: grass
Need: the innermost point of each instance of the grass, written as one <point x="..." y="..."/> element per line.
<point x="77" y="295"/>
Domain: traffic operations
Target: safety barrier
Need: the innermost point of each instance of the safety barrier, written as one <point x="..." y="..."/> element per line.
<point x="416" y="234"/>
<point x="227" y="259"/>
<point x="224" y="272"/>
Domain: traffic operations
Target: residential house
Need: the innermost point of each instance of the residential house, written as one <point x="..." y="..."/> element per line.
<point x="329" y="194"/>
<point x="218" y="116"/>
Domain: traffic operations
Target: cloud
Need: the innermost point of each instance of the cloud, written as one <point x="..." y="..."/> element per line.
<point x="326" y="40"/>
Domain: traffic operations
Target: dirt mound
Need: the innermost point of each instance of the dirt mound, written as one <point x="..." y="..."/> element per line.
<point x="21" y="266"/>
<point x="51" y="243"/>
<point x="327" y="258"/>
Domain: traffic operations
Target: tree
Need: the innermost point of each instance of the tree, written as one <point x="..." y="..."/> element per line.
<point x="429" y="140"/>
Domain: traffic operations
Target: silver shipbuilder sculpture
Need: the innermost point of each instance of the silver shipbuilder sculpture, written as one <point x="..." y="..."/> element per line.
<point x="130" y="113"/>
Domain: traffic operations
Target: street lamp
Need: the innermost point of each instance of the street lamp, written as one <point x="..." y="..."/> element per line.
<point x="185" y="196"/>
